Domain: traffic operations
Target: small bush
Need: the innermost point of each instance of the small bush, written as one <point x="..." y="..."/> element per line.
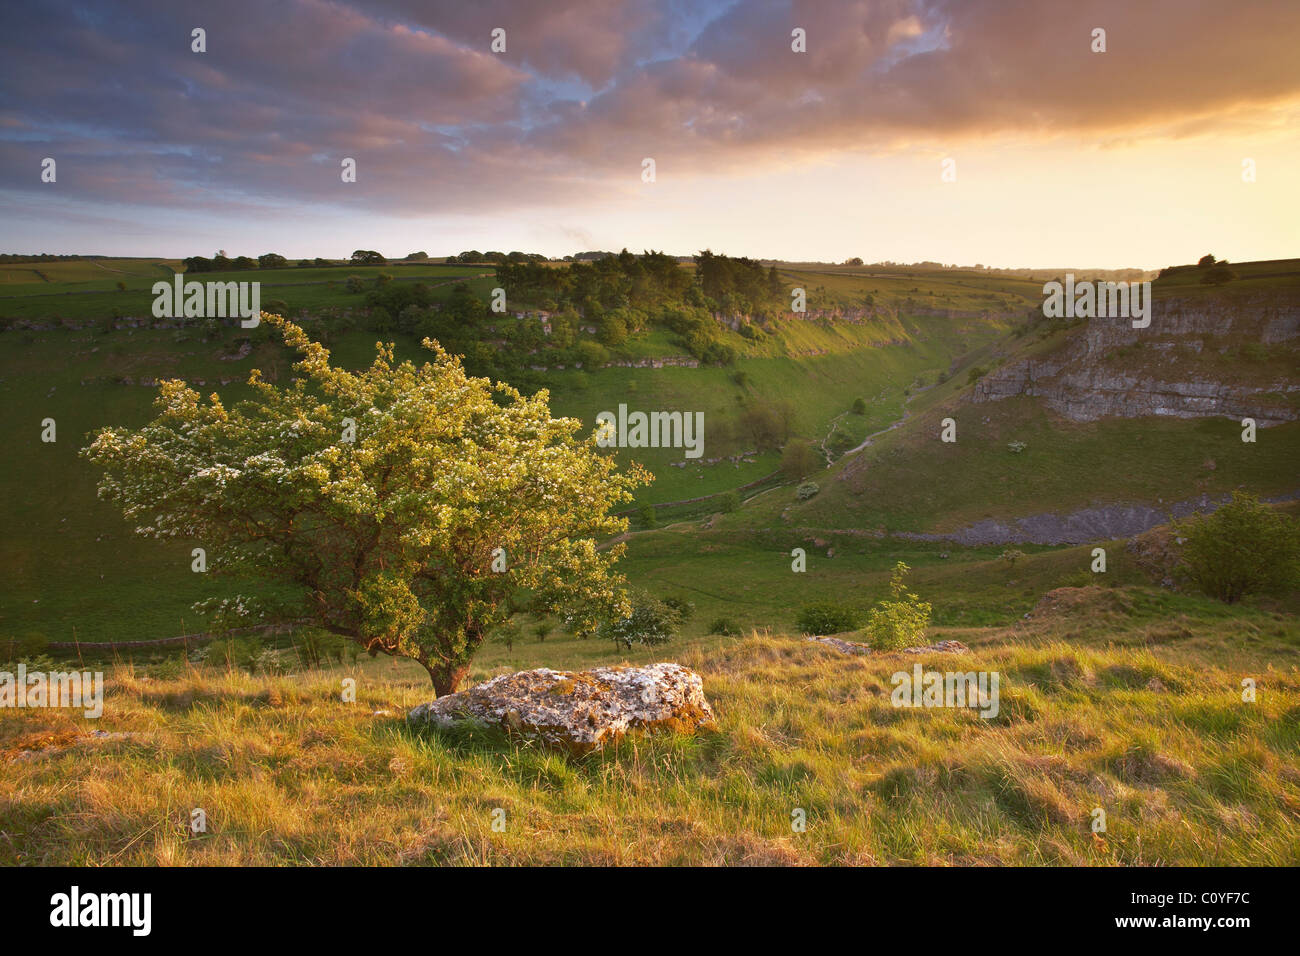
<point x="724" y="626"/>
<point x="652" y="622"/>
<point x="507" y="632"/>
<point x="893" y="625"/>
<point x="827" y="617"/>
<point x="807" y="490"/>
<point x="799" y="459"/>
<point x="729" y="502"/>
<point x="685" y="609"/>
<point x="1243" y="548"/>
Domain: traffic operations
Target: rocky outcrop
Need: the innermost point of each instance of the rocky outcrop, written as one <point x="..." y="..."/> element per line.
<point x="1110" y="368"/>
<point x="854" y="647"/>
<point x="581" y="711"/>
<point x="1078" y="527"/>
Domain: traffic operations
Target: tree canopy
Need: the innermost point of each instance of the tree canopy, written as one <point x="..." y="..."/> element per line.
<point x="407" y="508"/>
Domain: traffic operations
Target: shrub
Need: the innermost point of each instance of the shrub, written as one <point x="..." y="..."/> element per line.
<point x="975" y="374"/>
<point x="592" y="354"/>
<point x="648" y="517"/>
<point x="1245" y="547"/>
<point x="827" y="617"/>
<point x="724" y="626"/>
<point x="730" y="501"/>
<point x="652" y="622"/>
<point x="807" y="490"/>
<point x="859" y="406"/>
<point x="840" y="443"/>
<point x="685" y="609"/>
<point x="316" y="647"/>
<point x="356" y="284"/>
<point x="798" y="459"/>
<point x="507" y="632"/>
<point x="899" y="623"/>
<point x="32" y="644"/>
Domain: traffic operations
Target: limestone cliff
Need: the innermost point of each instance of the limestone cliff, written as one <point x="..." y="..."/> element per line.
<point x="1208" y="355"/>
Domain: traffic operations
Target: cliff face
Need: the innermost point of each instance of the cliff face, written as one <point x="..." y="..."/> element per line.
<point x="1200" y="357"/>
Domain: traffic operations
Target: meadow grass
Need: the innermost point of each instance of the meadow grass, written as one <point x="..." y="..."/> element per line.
<point x="1185" y="771"/>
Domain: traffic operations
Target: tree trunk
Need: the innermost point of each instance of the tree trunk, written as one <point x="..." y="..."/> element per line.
<point x="446" y="677"/>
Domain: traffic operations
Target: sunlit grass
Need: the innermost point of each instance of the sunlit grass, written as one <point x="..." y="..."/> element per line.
<point x="287" y="773"/>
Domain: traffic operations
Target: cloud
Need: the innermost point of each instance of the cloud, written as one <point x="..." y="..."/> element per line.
<point x="439" y="123"/>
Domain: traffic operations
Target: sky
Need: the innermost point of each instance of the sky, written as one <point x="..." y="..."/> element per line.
<point x="1055" y="154"/>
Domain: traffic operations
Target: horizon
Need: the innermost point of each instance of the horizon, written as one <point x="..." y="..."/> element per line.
<point x="1060" y="151"/>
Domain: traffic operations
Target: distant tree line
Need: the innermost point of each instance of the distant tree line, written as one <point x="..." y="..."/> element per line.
<point x="496" y="258"/>
<point x="14" y="257"/>
<point x="273" y="260"/>
<point x="223" y="263"/>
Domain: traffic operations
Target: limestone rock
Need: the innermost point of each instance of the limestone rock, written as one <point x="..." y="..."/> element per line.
<point x="579" y="711"/>
<point x="1098" y="374"/>
<point x="853" y="647"/>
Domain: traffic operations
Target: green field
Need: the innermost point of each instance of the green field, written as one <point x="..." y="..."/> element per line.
<point x="88" y="289"/>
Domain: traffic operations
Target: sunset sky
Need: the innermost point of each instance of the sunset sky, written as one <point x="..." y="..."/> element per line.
<point x="1132" y="157"/>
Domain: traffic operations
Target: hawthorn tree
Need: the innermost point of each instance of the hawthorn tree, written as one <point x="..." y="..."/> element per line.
<point x="407" y="508"/>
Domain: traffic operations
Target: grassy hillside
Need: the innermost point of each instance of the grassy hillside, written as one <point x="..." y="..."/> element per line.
<point x="74" y="569"/>
<point x="1096" y="710"/>
<point x="913" y="481"/>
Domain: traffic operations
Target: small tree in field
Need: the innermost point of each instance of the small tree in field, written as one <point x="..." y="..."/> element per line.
<point x="901" y="622"/>
<point x="1243" y="548"/>
<point x="401" y="507"/>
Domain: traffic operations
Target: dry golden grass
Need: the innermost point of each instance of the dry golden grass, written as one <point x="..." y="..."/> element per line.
<point x="1186" y="772"/>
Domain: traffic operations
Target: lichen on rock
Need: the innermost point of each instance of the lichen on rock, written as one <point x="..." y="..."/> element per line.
<point x="578" y="711"/>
